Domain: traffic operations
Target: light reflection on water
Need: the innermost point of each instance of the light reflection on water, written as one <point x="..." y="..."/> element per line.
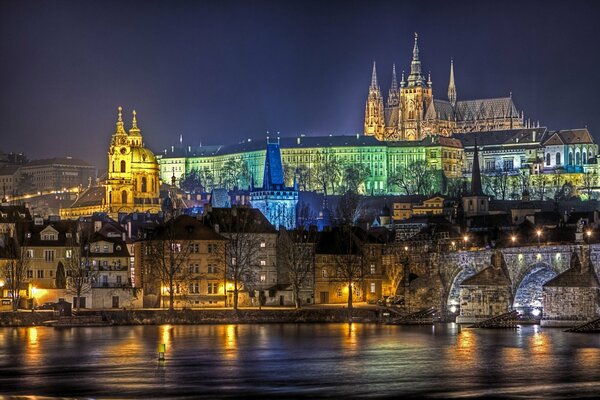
<point x="309" y="360"/>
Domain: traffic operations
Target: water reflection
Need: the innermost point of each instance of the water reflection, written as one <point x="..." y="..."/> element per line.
<point x="311" y="360"/>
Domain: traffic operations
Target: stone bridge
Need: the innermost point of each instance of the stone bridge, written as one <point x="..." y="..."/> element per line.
<point x="529" y="267"/>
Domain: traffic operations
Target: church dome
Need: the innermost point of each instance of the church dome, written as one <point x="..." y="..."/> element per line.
<point x="142" y="154"/>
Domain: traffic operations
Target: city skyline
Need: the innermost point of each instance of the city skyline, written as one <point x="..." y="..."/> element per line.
<point x="279" y="69"/>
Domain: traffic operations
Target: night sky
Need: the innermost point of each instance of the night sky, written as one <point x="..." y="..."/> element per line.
<point x="223" y="71"/>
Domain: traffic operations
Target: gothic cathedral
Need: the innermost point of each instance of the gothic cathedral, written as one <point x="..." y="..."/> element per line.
<point x="411" y="112"/>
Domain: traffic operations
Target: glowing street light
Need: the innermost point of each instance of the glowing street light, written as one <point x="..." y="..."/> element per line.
<point x="513" y="239"/>
<point x="538" y="233"/>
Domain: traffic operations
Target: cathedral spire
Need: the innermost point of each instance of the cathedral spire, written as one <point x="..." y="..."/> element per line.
<point x="374" y="84"/>
<point x="120" y="129"/>
<point x="451" y="86"/>
<point x="393" y="99"/>
<point x="416" y="77"/>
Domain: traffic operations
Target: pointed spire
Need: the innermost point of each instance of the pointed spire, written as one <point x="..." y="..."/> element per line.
<point x="393" y="99"/>
<point x="402" y="82"/>
<point x="476" y="189"/>
<point x="134" y="128"/>
<point x="120" y="128"/>
<point x="451" y="86"/>
<point x="374" y="84"/>
<point x="416" y="77"/>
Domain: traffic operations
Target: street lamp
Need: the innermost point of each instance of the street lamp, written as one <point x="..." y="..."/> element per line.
<point x="513" y="239"/>
<point x="538" y="233"/>
<point x="466" y="239"/>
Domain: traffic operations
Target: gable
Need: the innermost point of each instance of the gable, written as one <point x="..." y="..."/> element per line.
<point x="554" y="140"/>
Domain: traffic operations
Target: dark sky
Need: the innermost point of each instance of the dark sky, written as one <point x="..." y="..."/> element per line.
<point x="222" y="71"/>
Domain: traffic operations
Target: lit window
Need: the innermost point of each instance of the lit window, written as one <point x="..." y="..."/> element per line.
<point x="372" y="269"/>
<point x="263" y="244"/>
<point x="372" y="287"/>
<point x="263" y="263"/>
<point x="263" y="277"/>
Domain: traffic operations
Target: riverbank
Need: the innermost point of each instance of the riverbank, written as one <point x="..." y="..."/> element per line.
<point x="198" y="317"/>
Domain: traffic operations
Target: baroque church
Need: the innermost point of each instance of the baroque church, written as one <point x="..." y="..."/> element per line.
<point x="411" y="112"/>
<point x="132" y="183"/>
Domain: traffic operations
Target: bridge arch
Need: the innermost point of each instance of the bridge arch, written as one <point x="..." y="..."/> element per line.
<point x="527" y="292"/>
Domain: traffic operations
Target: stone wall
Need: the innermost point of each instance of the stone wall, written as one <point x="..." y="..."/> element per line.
<point x="484" y="301"/>
<point x="570" y="303"/>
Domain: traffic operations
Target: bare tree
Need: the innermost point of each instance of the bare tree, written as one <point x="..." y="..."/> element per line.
<point x="349" y="260"/>
<point x="168" y="253"/>
<point x="497" y="185"/>
<point x="590" y="180"/>
<point x="395" y="267"/>
<point x="296" y="257"/>
<point x="79" y="271"/>
<point x="418" y="177"/>
<point x="354" y="176"/>
<point x="348" y="209"/>
<point x="327" y="172"/>
<point x="15" y="268"/>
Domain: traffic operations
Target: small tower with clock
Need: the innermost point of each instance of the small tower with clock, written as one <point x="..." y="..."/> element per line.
<point x="132" y="184"/>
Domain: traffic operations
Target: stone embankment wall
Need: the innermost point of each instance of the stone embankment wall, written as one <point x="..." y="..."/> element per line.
<point x="214" y="316"/>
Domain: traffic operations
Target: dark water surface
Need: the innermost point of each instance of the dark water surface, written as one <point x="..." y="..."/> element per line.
<point x="291" y="361"/>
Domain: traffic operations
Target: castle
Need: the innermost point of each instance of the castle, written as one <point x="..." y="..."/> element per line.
<point x="411" y="112"/>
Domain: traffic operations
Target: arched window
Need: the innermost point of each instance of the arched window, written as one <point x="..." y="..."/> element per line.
<point x="143" y="184"/>
<point x="124" y="197"/>
<point x="584" y="158"/>
<point x="411" y="114"/>
<point x="578" y="158"/>
<point x="113" y="166"/>
<point x="557" y="158"/>
<point x="109" y="197"/>
<point x="548" y="159"/>
<point x="123" y="166"/>
<point x="570" y="158"/>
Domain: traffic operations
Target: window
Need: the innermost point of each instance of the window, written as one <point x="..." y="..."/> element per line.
<point x="123" y="166"/>
<point x="144" y="184"/>
<point x="263" y="263"/>
<point x="263" y="244"/>
<point x="212" y="248"/>
<point x="212" y="269"/>
<point x="490" y="165"/>
<point x="508" y="165"/>
<point x="339" y="292"/>
<point x="263" y="277"/>
<point x="372" y="269"/>
<point x="29" y="273"/>
<point x="118" y="279"/>
<point x="557" y="158"/>
<point x="194" y="287"/>
<point x="29" y="253"/>
<point x="194" y="269"/>
<point x="373" y="287"/>
<point x="40" y="274"/>
<point x="49" y="255"/>
<point x="213" y="288"/>
<point x="68" y="253"/>
<point x="194" y="248"/>
<point x="124" y="197"/>
<point x="324" y="273"/>
<point x="176" y="247"/>
<point x="548" y="159"/>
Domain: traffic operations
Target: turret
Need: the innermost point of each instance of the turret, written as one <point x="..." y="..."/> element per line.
<point x="416" y="77"/>
<point x="393" y="93"/>
<point x="374" y="118"/>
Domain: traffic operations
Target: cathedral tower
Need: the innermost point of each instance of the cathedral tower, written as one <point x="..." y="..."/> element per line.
<point x="374" y="117"/>
<point x="133" y="182"/>
<point x="415" y="97"/>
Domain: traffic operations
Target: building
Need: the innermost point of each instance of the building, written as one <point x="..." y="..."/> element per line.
<point x="411" y="112"/>
<point x="132" y="184"/>
<point x="317" y="162"/>
<point x="274" y="199"/>
<point x="253" y="243"/>
<point x="344" y="256"/>
<point x="182" y="258"/>
<point x="573" y="296"/>
<point x="57" y="174"/>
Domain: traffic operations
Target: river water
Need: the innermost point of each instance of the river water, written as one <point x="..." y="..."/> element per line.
<point x="298" y="361"/>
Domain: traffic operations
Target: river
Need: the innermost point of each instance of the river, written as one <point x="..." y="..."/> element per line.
<point x="298" y="361"/>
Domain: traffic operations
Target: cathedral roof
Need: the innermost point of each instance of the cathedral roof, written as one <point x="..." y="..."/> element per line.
<point x="440" y="109"/>
<point x="575" y="136"/>
<point x="472" y="110"/>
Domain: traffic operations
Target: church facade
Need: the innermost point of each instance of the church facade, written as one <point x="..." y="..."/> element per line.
<point x="411" y="112"/>
<point x="132" y="182"/>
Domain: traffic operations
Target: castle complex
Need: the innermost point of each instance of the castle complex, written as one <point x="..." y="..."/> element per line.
<point x="411" y="112"/>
